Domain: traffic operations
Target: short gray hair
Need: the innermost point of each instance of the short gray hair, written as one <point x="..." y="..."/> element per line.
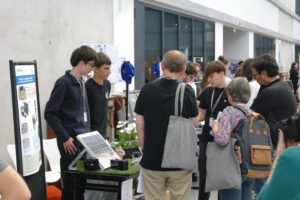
<point x="174" y="60"/>
<point x="239" y="90"/>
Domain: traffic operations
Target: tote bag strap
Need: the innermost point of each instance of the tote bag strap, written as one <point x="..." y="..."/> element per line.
<point x="180" y="90"/>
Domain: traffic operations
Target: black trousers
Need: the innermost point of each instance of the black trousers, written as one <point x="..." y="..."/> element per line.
<point x="202" y="171"/>
<point x="65" y="161"/>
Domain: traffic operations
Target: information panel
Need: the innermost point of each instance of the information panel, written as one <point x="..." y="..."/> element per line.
<point x="26" y="117"/>
<point x="27" y="125"/>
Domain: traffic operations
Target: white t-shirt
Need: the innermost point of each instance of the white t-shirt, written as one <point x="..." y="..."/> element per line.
<point x="254" y="86"/>
<point x="193" y="85"/>
<point x="228" y="80"/>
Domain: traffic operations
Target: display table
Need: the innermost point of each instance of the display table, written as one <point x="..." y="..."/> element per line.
<point x="78" y="179"/>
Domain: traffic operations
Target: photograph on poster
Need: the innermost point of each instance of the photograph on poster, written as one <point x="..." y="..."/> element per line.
<point x="22" y="93"/>
<point x="24" y="128"/>
<point x="24" y="109"/>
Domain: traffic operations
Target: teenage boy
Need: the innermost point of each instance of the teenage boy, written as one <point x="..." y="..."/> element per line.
<point x="67" y="110"/>
<point x="98" y="90"/>
<point x="190" y="75"/>
<point x="212" y="100"/>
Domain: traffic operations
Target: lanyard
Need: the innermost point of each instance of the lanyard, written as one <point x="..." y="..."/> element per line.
<point x="82" y="87"/>
<point x="212" y="107"/>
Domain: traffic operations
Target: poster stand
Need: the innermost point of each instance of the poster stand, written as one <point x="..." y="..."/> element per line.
<point x="27" y="126"/>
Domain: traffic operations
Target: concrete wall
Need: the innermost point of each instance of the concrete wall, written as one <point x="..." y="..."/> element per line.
<point x="236" y="44"/>
<point x="251" y="44"/>
<point x="46" y="31"/>
<point x="253" y="11"/>
<point x="285" y="55"/>
<point x="124" y="34"/>
<point x="219" y="49"/>
<point x="296" y="29"/>
<point x="288" y="3"/>
<point x="285" y="24"/>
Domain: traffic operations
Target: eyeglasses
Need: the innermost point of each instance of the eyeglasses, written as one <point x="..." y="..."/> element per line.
<point x="91" y="65"/>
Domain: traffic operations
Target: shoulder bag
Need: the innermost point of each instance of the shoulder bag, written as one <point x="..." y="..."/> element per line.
<point x="222" y="166"/>
<point x="181" y="141"/>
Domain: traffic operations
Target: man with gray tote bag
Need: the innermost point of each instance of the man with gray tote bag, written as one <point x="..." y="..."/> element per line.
<point x="154" y="106"/>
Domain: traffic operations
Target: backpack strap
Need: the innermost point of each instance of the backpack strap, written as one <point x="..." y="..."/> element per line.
<point x="234" y="124"/>
<point x="233" y="118"/>
<point x="242" y="109"/>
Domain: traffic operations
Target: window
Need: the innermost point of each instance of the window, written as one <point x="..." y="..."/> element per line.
<point x="297" y="11"/>
<point x="186" y="37"/>
<point x="158" y="30"/>
<point x="198" y="40"/>
<point x="153" y="41"/>
<point x="209" y="42"/>
<point x="264" y="45"/>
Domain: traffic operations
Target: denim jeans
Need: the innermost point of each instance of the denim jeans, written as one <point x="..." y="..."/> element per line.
<point x="258" y="184"/>
<point x="233" y="194"/>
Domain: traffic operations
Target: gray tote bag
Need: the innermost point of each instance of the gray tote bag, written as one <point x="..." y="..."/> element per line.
<point x="181" y="141"/>
<point x="222" y="167"/>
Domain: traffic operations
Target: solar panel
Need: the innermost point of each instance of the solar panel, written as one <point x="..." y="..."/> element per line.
<point x="98" y="148"/>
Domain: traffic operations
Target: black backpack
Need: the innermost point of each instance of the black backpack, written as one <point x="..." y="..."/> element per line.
<point x="254" y="138"/>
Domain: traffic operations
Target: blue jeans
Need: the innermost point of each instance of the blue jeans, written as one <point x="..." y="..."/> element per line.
<point x="259" y="183"/>
<point x="233" y="194"/>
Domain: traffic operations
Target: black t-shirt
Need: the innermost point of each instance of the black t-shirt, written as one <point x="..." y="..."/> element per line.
<point x="275" y="102"/>
<point x="294" y="77"/>
<point x="276" y="98"/>
<point x="207" y="104"/>
<point x="156" y="103"/>
<point x="98" y="104"/>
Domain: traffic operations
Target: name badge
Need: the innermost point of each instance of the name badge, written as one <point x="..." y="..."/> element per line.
<point x="211" y="121"/>
<point x="85" y="116"/>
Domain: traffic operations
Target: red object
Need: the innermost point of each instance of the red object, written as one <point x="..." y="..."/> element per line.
<point x="53" y="193"/>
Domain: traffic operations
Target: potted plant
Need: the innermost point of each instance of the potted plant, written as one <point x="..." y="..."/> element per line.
<point x="127" y="138"/>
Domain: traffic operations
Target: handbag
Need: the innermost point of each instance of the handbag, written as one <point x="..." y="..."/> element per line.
<point x="222" y="166"/>
<point x="181" y="141"/>
<point x="223" y="169"/>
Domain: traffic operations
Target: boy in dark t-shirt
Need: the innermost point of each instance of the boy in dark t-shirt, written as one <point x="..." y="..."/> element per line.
<point x="98" y="90"/>
<point x="212" y="100"/>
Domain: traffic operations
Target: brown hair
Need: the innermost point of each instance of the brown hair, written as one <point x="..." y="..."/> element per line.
<point x="191" y="69"/>
<point x="223" y="60"/>
<point x="214" y="66"/>
<point x="102" y="59"/>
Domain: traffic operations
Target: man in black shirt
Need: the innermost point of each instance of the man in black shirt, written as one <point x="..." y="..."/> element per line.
<point x="275" y="99"/>
<point x="212" y="100"/>
<point x="98" y="90"/>
<point x="154" y="106"/>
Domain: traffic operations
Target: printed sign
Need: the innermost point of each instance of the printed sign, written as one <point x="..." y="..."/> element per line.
<point x="27" y="118"/>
